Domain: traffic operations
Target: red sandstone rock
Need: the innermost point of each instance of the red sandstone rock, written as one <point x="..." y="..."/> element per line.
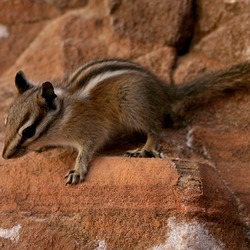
<point x="224" y="44"/>
<point x="192" y="66"/>
<point x="22" y="21"/>
<point x="158" y="22"/>
<point x="211" y="16"/>
<point x="125" y="202"/>
<point x="154" y="62"/>
<point x="130" y="203"/>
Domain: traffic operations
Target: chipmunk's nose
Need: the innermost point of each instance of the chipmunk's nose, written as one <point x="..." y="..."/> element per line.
<point x="9" y="153"/>
<point x="4" y="154"/>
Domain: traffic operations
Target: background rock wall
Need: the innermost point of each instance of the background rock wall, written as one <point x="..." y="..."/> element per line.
<point x="177" y="40"/>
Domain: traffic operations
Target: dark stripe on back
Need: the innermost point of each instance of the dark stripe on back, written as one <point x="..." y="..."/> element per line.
<point x="108" y="68"/>
<point x="88" y="65"/>
<point x="100" y="61"/>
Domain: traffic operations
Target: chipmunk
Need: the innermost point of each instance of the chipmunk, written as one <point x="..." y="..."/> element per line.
<point x="99" y="100"/>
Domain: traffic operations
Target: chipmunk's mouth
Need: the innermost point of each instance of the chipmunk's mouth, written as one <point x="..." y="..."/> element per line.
<point x="12" y="154"/>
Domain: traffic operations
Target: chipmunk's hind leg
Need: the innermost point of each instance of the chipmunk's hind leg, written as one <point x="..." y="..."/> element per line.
<point x="148" y="150"/>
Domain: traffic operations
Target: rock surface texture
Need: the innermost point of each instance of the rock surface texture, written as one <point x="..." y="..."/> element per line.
<point x="198" y="197"/>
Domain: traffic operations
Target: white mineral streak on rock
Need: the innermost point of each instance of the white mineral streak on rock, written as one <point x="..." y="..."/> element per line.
<point x="183" y="235"/>
<point x="190" y="138"/>
<point x="4" y="32"/>
<point x="101" y="245"/>
<point x="12" y="233"/>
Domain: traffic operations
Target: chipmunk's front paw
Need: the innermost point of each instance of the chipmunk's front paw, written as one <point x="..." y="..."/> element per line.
<point x="144" y="153"/>
<point x="75" y="176"/>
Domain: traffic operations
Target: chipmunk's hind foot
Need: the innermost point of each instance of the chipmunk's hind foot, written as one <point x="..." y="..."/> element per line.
<point x="148" y="150"/>
<point x="144" y="153"/>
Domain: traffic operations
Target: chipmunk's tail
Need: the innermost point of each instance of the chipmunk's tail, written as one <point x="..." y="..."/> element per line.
<point x="201" y="90"/>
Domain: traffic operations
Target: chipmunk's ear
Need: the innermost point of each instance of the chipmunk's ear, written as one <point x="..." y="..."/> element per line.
<point x="22" y="84"/>
<point x="47" y="96"/>
<point x="48" y="91"/>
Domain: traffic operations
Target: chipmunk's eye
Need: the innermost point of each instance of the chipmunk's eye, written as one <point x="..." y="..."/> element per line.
<point x="28" y="132"/>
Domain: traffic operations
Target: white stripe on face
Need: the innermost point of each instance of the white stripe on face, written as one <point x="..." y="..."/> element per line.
<point x="15" y="142"/>
<point x="59" y="92"/>
<point x="26" y="124"/>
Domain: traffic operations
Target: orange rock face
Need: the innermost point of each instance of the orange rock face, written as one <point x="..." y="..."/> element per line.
<point x="127" y="203"/>
<point x="197" y="197"/>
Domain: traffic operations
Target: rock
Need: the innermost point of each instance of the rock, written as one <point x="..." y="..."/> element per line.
<point x="122" y="202"/>
<point x="68" y="48"/>
<point x="212" y="16"/>
<point x="63" y="47"/>
<point x="162" y="68"/>
<point x="23" y="28"/>
<point x="202" y="188"/>
<point x="13" y="12"/>
<point x="158" y="22"/>
<point x="223" y="138"/>
<point x="192" y="66"/>
<point x="224" y="44"/>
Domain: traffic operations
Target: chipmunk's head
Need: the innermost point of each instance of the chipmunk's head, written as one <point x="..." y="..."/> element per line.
<point x="26" y="118"/>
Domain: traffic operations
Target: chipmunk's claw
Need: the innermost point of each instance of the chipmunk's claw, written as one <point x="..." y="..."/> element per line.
<point x="74" y="177"/>
<point x="144" y="153"/>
